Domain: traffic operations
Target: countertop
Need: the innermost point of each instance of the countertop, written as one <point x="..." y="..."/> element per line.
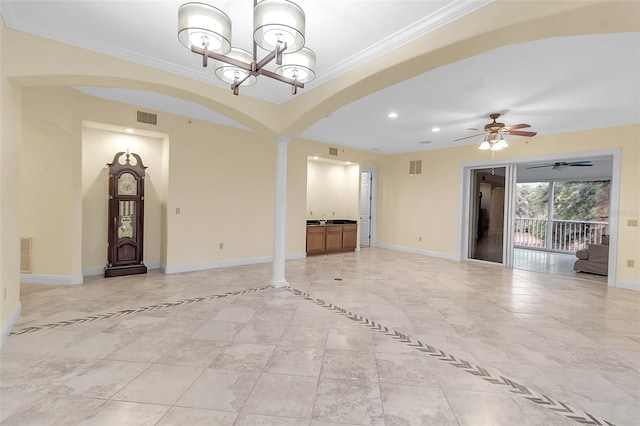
<point x="332" y="222"/>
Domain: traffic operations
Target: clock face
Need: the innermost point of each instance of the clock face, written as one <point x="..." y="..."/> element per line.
<point x="127" y="184"/>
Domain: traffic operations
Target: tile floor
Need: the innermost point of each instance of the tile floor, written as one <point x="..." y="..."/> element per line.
<point x="401" y="339"/>
<point x="550" y="263"/>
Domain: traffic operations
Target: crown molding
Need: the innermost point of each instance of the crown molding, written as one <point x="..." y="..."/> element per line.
<point x="428" y="24"/>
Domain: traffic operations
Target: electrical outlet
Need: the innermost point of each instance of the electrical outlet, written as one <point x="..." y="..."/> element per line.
<point x="221" y="246"/>
<point x="311" y="213"/>
<point x="333" y="213"/>
<point x="177" y="210"/>
<point x="632" y="222"/>
<point x="419" y="238"/>
<point x="631" y="263"/>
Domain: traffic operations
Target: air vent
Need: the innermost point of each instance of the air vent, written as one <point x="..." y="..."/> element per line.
<point x="25" y="255"/>
<point x="333" y="151"/>
<point x="147" y="117"/>
<point x="415" y="167"/>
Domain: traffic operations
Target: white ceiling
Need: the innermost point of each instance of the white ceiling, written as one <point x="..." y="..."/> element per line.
<point x="556" y="85"/>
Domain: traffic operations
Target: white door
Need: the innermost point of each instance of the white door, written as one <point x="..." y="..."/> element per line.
<point x="365" y="208"/>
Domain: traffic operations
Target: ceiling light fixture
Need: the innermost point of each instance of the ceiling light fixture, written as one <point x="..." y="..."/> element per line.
<point x="435" y="129"/>
<point x="278" y="26"/>
<point x="392" y="115"/>
<point x="493" y="142"/>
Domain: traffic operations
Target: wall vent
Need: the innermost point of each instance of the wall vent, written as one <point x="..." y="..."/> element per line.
<point x="333" y="151"/>
<point x="147" y="117"/>
<point x="25" y="255"/>
<point x="415" y="167"/>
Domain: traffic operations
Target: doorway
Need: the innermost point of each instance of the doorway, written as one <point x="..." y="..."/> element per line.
<point x="367" y="208"/>
<point x="471" y="224"/>
<point x="487" y="218"/>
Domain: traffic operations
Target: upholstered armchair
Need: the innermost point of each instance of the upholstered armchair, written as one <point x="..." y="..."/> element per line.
<point x="594" y="258"/>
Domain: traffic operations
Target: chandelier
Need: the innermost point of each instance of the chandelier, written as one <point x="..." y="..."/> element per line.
<point x="278" y="27"/>
<point x="493" y="142"/>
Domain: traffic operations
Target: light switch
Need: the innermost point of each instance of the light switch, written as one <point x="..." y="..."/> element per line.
<point x="632" y="222"/>
<point x="631" y="263"/>
<point x="177" y="210"/>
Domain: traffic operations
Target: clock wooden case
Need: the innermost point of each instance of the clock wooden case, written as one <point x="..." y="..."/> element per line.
<point x="126" y="216"/>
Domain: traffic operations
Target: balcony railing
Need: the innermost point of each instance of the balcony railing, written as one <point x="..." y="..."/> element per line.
<point x="566" y="235"/>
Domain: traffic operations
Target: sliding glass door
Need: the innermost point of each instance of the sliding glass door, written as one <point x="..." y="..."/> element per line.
<point x="490" y="214"/>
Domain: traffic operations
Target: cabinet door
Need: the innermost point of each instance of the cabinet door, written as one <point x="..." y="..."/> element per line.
<point x="349" y="237"/>
<point x="315" y="239"/>
<point x="333" y="241"/>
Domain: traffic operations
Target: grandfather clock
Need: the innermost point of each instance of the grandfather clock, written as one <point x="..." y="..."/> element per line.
<point x="126" y="216"/>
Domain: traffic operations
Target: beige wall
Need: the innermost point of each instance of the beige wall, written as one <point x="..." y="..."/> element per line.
<point x="9" y="193"/>
<point x="332" y="190"/>
<point x="98" y="148"/>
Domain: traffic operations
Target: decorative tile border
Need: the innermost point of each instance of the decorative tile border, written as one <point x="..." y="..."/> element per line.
<point x="133" y="311"/>
<point x="507" y="384"/>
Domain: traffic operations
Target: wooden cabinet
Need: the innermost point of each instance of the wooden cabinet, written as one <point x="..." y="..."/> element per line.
<point x="315" y="239"/>
<point x="349" y="237"/>
<point x="331" y="238"/>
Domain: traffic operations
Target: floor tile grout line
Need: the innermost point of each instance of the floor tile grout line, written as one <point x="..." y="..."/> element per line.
<point x="139" y="310"/>
<point x="516" y="388"/>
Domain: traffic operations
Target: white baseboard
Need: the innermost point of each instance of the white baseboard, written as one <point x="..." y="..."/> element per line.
<point x="9" y="323"/>
<point x="629" y="285"/>
<point x="99" y="270"/>
<point x="51" y="279"/>
<point x="419" y="251"/>
<point x="176" y="269"/>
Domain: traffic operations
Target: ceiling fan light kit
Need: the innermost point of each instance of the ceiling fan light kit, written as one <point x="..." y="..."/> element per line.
<point x="279" y="26"/>
<point x="494" y="140"/>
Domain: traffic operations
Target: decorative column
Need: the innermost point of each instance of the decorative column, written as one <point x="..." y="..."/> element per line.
<point x="280" y="214"/>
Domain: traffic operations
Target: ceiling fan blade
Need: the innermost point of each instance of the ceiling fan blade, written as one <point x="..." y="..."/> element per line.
<point x="519" y="133"/>
<point x="473" y="128"/>
<point x="467" y="137"/>
<point x="540" y="167"/>
<point x="518" y="126"/>
<point x="580" y="163"/>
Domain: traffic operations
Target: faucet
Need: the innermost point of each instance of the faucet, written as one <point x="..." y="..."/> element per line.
<point x="323" y="220"/>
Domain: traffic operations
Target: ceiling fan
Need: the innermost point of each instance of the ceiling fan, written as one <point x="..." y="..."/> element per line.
<point x="495" y="130"/>
<point x="561" y="165"/>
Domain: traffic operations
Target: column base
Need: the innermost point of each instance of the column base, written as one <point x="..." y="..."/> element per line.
<point x="278" y="284"/>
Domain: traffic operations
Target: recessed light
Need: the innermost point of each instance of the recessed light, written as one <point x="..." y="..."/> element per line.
<point x="129" y="130"/>
<point x="392" y="115"/>
<point x="435" y="129"/>
<point x="424" y="142"/>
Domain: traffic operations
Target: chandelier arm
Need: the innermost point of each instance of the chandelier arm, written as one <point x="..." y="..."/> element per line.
<point x="222" y="58"/>
<point x="236" y="84"/>
<point x="282" y="78"/>
<point x="273" y="54"/>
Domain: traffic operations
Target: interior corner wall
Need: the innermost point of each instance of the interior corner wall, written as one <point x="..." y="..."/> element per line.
<point x="10" y="130"/>
<point x="98" y="148"/>
<point x="51" y="183"/>
<point x="332" y="191"/>
<point x="163" y="202"/>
